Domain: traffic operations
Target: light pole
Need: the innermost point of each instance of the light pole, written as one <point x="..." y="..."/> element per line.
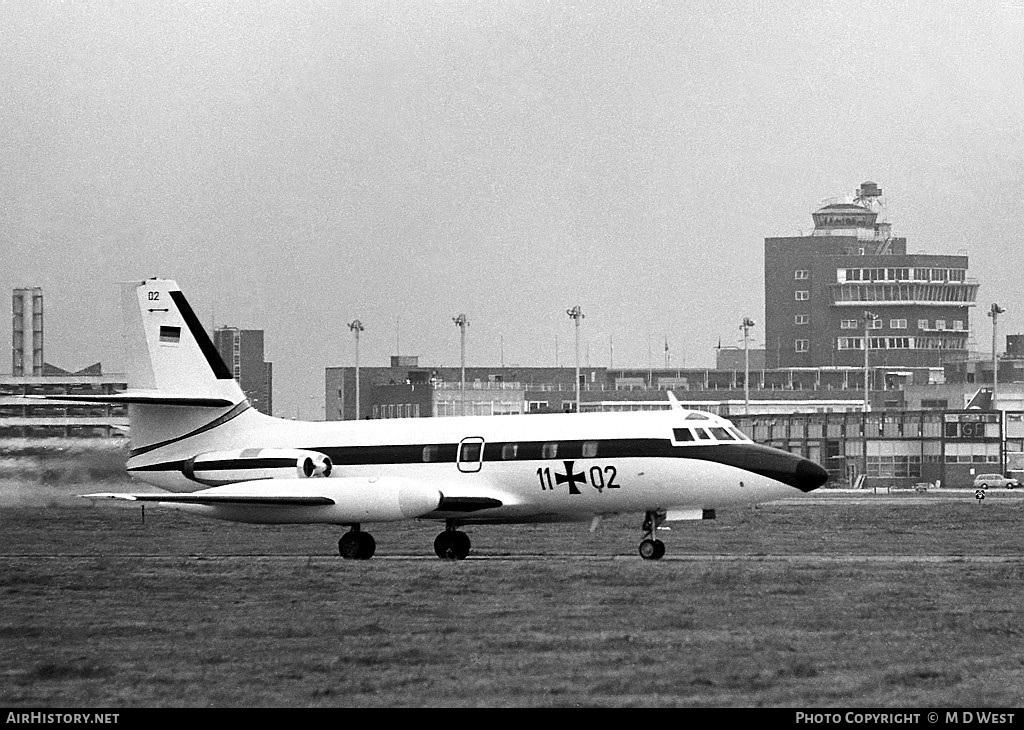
<point x="356" y="326"/>
<point x="576" y="314"/>
<point x="869" y="319"/>
<point x="747" y="324"/>
<point x="461" y="322"/>
<point x="994" y="311"/>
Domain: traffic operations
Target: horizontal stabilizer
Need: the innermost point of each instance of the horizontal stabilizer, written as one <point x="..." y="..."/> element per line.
<point x="152" y="398"/>
<point x="200" y="498"/>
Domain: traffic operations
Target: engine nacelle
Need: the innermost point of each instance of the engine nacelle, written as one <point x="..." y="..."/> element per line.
<point x="216" y="468"/>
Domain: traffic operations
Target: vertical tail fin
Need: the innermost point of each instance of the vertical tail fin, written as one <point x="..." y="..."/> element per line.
<point x="177" y="381"/>
<point x="168" y="349"/>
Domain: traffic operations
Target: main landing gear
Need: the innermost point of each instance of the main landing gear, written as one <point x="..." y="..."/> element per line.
<point x="452" y="544"/>
<point x="357" y="545"/>
<point x="650" y="547"/>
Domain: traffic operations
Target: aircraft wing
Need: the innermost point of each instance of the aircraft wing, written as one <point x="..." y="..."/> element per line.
<point x="334" y="499"/>
<point x="448" y="504"/>
<point x="215" y="499"/>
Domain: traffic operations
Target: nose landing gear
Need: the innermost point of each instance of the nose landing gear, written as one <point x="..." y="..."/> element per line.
<point x="650" y="547"/>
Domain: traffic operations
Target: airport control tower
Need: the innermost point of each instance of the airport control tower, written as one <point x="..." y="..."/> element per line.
<point x="849" y="276"/>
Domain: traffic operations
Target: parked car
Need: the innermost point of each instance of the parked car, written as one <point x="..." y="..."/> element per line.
<point x="984" y="481"/>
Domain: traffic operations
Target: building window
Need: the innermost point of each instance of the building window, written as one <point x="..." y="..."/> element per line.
<point x="922" y="324"/>
<point x="802" y="295"/>
<point x="848" y="324"/>
<point x="801" y="345"/>
<point x="850" y="343"/>
<point x="800" y="274"/>
<point x="875" y="324"/>
<point x="898" y="324"/>
<point x="958" y="324"/>
<point x="940" y="324"/>
<point x="801" y="319"/>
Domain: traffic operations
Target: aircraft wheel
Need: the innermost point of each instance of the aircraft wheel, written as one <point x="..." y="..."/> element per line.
<point x="355" y="545"/>
<point x="652" y="549"/>
<point x="452" y="545"/>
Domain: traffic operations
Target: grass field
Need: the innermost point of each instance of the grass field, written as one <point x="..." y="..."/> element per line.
<point x="876" y="604"/>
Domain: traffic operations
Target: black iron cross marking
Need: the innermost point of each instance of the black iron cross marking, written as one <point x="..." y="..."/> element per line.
<point x="570" y="477"/>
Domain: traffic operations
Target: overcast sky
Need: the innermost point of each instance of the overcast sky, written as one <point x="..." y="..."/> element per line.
<point x="297" y="165"/>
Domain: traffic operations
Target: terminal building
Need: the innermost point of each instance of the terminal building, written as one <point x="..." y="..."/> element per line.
<point x="32" y="375"/>
<point x="241" y="350"/>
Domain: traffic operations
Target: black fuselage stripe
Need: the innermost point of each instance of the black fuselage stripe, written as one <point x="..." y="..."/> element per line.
<point x="239" y="464"/>
<point x="220" y="370"/>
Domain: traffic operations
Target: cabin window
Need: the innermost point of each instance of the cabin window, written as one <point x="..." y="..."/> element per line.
<point x="682" y="434"/>
<point x="696" y="416"/>
<point x="470" y="451"/>
<point x="722" y="435"/>
<point x="702" y="433"/>
<point x="509" y="451"/>
<point x="431" y="452"/>
<point x="549" y="451"/>
<point x="589" y="449"/>
<point x="739" y="434"/>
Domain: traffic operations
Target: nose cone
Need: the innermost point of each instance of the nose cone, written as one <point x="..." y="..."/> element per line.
<point x="809" y="475"/>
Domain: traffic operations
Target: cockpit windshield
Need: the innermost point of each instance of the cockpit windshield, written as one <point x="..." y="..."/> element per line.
<point x="693" y="433"/>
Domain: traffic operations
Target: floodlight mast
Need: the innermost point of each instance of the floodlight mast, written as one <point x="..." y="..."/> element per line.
<point x="576" y="314"/>
<point x="746" y="326"/>
<point x="994" y="311"/>
<point x="461" y="322"/>
<point x="356" y="326"/>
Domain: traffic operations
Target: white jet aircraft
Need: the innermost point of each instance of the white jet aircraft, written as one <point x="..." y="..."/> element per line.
<point x="194" y="434"/>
